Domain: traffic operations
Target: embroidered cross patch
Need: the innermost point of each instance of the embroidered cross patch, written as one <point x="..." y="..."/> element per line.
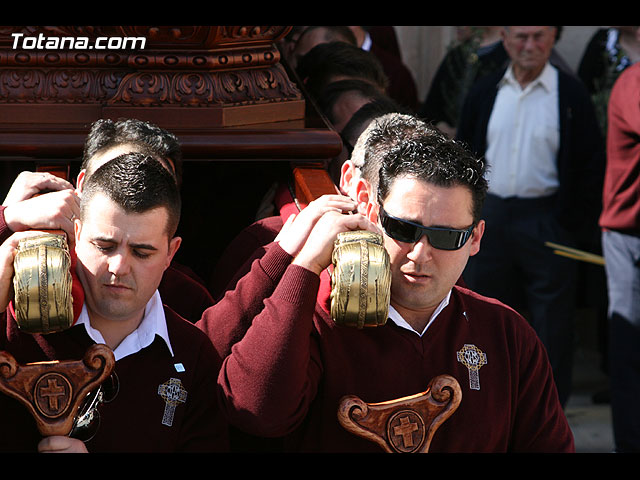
<point x="173" y="394"/>
<point x="473" y="358"/>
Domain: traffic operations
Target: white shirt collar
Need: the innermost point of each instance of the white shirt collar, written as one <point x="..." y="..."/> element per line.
<point x="547" y="79"/>
<point x="153" y="323"/>
<point x="401" y="322"/>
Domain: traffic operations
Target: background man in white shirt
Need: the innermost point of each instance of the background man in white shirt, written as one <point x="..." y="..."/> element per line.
<point x="537" y="130"/>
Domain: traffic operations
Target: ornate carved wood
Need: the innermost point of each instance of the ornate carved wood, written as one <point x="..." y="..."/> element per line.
<point x="404" y="425"/>
<point x="221" y="89"/>
<point x="192" y="80"/>
<point x="54" y="391"/>
<point x="209" y="68"/>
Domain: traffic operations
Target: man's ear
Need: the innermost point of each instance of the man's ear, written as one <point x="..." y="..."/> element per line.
<point x="80" y="181"/>
<point x="174" y="245"/>
<point x="347" y="172"/>
<point x="372" y="211"/>
<point x="476" y="237"/>
<point x="363" y="195"/>
<point x="77" y="227"/>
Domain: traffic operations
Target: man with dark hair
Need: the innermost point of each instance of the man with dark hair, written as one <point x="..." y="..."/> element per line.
<point x="317" y="34"/>
<point x="124" y="241"/>
<point x="339" y="100"/>
<point x="347" y="173"/>
<point x="43" y="200"/>
<point x="382" y="134"/>
<point x="22" y="210"/>
<point x="291" y="364"/>
<point x="180" y="288"/>
<point x="107" y="138"/>
<point x="328" y="62"/>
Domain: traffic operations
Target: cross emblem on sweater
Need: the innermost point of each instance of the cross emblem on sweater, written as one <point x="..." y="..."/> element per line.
<point x="473" y="358"/>
<point x="173" y="394"/>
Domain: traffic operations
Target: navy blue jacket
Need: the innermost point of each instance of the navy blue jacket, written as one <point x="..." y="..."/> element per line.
<point x="581" y="154"/>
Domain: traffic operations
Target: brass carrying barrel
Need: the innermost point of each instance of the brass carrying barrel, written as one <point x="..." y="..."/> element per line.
<point x="42" y="284"/>
<point x="361" y="280"/>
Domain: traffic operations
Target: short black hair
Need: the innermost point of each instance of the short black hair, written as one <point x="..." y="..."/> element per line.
<point x="333" y="92"/>
<point x="137" y="183"/>
<point x="437" y="159"/>
<point x="147" y="138"/>
<point x="383" y="133"/>
<point x="327" y="61"/>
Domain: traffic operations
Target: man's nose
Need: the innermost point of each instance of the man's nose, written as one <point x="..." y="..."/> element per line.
<point x="119" y="263"/>
<point x="422" y="250"/>
<point x="530" y="42"/>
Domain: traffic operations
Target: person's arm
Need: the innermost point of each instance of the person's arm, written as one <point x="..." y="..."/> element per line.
<point x="49" y="211"/>
<point x="271" y="375"/>
<point x="39" y="201"/>
<point x="29" y="184"/>
<point x="227" y="321"/>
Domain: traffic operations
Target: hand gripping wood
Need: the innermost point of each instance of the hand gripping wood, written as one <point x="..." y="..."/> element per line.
<point x="404" y="425"/>
<point x="54" y="391"/>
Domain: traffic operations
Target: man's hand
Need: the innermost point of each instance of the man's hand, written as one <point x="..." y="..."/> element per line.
<point x="51" y="211"/>
<point x="28" y="184"/>
<point x="296" y="229"/>
<point x="316" y="253"/>
<point x="61" y="444"/>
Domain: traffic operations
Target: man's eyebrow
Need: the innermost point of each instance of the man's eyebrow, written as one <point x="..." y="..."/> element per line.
<point x="103" y="239"/>
<point x="143" y="246"/>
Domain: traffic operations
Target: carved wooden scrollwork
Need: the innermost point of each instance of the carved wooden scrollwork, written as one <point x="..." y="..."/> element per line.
<point x="404" y="425"/>
<point x="193" y="66"/>
<point x="54" y="391"/>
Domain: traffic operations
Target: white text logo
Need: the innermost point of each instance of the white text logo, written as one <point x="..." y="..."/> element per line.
<point x="42" y="42"/>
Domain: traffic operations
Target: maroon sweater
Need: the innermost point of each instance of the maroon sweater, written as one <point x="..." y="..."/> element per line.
<point x="5" y="231"/>
<point x="132" y="422"/>
<point x="621" y="193"/>
<point x="287" y="374"/>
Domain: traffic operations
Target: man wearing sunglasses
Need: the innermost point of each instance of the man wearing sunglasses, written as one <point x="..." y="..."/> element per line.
<point x="287" y="374"/>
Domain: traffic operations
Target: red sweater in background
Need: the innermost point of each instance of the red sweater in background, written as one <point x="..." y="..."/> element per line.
<point x="621" y="193"/>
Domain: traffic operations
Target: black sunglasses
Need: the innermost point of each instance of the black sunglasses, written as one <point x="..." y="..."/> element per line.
<point x="409" y="232"/>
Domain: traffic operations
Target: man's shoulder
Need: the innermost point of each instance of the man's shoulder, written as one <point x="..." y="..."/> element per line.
<point x="487" y="82"/>
<point x="571" y="86"/>
<point x="182" y="331"/>
<point x="474" y="302"/>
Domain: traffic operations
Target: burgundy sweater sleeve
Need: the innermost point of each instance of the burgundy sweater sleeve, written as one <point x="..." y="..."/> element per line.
<point x="271" y="376"/>
<point x="226" y="322"/>
<point x="5" y="231"/>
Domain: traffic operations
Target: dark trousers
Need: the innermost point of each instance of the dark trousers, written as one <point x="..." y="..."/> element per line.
<point x="516" y="267"/>
<point x="622" y="257"/>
